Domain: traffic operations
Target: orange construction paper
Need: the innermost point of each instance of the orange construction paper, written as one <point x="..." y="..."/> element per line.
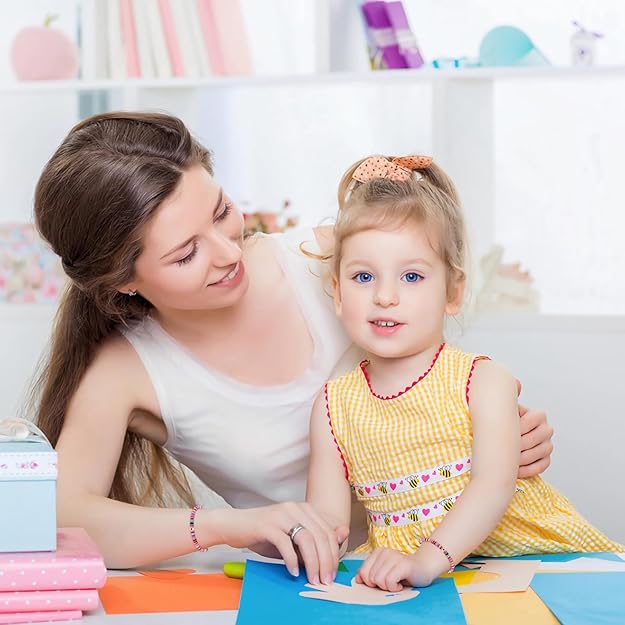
<point x="167" y="573"/>
<point x="139" y="594"/>
<point x="511" y="608"/>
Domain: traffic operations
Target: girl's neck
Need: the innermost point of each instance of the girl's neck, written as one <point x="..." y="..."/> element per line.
<point x="389" y="376"/>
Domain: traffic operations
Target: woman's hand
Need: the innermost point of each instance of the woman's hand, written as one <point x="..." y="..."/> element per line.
<point x="536" y="445"/>
<point x="317" y="543"/>
<point x="390" y="570"/>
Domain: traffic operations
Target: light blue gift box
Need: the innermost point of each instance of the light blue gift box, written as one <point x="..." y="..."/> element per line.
<point x="27" y="488"/>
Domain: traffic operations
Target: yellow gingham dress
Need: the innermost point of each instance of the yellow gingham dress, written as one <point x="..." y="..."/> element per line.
<point x="408" y="458"/>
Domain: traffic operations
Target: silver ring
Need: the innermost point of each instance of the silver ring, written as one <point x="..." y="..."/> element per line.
<point x="293" y="531"/>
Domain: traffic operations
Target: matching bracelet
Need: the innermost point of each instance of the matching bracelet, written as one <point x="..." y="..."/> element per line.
<point x="192" y="529"/>
<point x="434" y="542"/>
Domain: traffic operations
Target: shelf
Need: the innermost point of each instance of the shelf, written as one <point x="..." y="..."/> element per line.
<point x="384" y="77"/>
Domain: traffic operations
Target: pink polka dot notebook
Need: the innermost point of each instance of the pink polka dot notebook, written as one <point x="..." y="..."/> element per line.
<point x="75" y="565"/>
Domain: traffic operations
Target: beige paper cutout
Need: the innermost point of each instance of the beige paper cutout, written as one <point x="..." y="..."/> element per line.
<point x="512" y="576"/>
<point x="357" y="594"/>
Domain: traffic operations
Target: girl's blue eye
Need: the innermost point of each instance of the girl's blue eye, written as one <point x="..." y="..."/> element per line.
<point x="363" y="277"/>
<point x="412" y="276"/>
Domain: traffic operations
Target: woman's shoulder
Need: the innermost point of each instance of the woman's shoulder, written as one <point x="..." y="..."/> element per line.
<point x="117" y="368"/>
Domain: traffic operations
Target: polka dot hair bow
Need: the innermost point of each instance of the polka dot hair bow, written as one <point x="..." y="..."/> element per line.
<point x="399" y="169"/>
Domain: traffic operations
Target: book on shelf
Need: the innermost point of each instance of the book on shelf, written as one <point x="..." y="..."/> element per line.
<point x="143" y="36"/>
<point x="391" y="42"/>
<point x="129" y="38"/>
<point x="160" y="39"/>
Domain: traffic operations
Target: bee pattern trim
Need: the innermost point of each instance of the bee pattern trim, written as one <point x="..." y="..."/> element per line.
<point x="417" y="479"/>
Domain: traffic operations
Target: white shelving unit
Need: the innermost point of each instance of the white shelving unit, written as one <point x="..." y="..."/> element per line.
<point x="397" y="76"/>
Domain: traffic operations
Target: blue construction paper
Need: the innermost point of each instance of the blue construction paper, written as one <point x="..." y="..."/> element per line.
<point x="555" y="557"/>
<point x="271" y="596"/>
<point x="583" y="598"/>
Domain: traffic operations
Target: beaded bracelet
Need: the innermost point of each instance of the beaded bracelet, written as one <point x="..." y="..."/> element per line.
<point x="431" y="540"/>
<point x="192" y="528"/>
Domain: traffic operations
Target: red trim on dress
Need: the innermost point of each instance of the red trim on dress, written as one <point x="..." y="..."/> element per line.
<point x="364" y="363"/>
<point x="471" y="375"/>
<point x="325" y="390"/>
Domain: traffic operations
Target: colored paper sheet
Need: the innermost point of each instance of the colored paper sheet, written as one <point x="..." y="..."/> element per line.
<point x="270" y="595"/>
<point x="554" y="557"/>
<point x="496" y="575"/>
<point x="513" y="608"/>
<point x="170" y="593"/>
<point x="583" y="598"/>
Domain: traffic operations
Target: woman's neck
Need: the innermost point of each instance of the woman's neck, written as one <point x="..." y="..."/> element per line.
<point x="389" y="376"/>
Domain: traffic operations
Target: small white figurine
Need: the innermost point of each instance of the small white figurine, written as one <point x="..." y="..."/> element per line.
<point x="583" y="44"/>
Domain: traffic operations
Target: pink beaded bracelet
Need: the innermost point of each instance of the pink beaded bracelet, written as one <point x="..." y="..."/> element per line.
<point x="192" y="529"/>
<point x="431" y="540"/>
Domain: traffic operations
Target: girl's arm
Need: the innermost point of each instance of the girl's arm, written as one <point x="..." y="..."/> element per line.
<point x="89" y="449"/>
<point x="494" y="466"/>
<point x="328" y="490"/>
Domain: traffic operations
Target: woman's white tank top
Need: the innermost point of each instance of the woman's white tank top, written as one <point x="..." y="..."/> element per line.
<point x="248" y="443"/>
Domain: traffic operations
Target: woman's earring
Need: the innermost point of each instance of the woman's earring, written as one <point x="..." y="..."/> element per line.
<point x="132" y="293"/>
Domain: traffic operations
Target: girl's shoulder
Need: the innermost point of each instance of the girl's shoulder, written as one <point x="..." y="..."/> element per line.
<point x="350" y="382"/>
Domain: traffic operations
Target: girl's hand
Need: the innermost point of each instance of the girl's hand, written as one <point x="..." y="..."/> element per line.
<point x="390" y="570"/>
<point x="318" y="543"/>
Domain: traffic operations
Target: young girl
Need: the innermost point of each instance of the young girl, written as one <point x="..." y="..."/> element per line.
<point x="427" y="435"/>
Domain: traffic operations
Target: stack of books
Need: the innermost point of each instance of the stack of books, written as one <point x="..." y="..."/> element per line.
<point x="41" y="586"/>
<point x="160" y="39"/>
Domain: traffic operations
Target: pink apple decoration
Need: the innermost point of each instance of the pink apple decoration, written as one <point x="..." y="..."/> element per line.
<point x="44" y="53"/>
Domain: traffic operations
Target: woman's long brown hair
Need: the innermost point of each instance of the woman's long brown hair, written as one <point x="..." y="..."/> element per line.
<point x="92" y="202"/>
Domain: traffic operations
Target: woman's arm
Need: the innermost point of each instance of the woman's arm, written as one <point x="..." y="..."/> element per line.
<point x="89" y="449"/>
<point x="494" y="465"/>
<point x="328" y="490"/>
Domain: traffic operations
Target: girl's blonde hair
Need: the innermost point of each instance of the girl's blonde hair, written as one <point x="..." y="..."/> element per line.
<point x="428" y="197"/>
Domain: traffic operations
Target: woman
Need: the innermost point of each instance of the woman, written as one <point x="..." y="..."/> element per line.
<point x="175" y="334"/>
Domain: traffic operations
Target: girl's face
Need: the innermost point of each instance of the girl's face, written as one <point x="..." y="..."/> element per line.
<point x="392" y="291"/>
<point x="192" y="248"/>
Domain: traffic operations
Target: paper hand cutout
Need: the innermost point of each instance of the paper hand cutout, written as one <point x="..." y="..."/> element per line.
<point x="357" y="594"/>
